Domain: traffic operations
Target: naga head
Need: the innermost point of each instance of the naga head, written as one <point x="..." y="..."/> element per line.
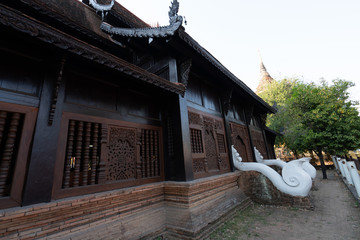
<point x="235" y="155"/>
<point x="258" y="156"/>
<point x="173" y="13"/>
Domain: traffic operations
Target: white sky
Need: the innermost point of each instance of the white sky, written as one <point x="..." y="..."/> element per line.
<point x="308" y="39"/>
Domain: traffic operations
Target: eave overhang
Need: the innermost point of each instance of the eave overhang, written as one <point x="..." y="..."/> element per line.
<point x="22" y="23"/>
<point x="213" y="61"/>
<point x="137" y="29"/>
<point x="141" y="32"/>
<point x="272" y="132"/>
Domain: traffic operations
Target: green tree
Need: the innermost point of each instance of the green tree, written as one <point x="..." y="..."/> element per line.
<point x="327" y="120"/>
<point x="276" y="94"/>
<point x="312" y="117"/>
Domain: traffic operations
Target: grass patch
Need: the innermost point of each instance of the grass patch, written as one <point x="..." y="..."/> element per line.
<point x="242" y="224"/>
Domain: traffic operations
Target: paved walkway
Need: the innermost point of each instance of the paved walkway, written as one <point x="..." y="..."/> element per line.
<point x="336" y="216"/>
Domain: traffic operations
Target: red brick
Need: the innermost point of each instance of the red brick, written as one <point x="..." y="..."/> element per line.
<point x="46" y="232"/>
<point x="75" y="224"/>
<point x="43" y="205"/>
<point x="65" y="202"/>
<point x="37" y="211"/>
<point x="82" y="227"/>
<point x="77" y="203"/>
<point x="6" y="224"/>
<point x="16" y="210"/>
<point x="13" y="215"/>
<point x="52" y="226"/>
<point x="59" y="234"/>
<point x="61" y="206"/>
<point x="20" y="227"/>
<point x="31" y="232"/>
<point x="13" y="235"/>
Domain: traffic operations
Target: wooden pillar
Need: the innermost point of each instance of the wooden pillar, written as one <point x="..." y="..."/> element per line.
<point x="186" y="141"/>
<point x="265" y="142"/>
<point x="225" y="105"/>
<point x="248" y="115"/>
<point x="181" y="125"/>
<point x="40" y="176"/>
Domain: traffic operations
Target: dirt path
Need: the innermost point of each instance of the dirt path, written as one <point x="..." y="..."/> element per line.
<point x="336" y="216"/>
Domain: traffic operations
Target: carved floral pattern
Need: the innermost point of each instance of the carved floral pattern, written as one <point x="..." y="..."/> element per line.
<point x="198" y="165"/>
<point x="210" y="144"/>
<point x="122" y="154"/>
<point x="195" y="119"/>
<point x="218" y="125"/>
<point x="223" y="163"/>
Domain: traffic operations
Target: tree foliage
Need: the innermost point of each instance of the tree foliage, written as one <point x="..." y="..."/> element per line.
<point x="276" y="94"/>
<point x="318" y="118"/>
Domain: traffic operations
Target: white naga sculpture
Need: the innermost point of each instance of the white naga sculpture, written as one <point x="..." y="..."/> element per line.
<point x="277" y="162"/>
<point x="294" y="180"/>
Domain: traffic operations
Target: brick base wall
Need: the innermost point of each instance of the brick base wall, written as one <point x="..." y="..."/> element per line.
<point x="184" y="210"/>
<point x="193" y="206"/>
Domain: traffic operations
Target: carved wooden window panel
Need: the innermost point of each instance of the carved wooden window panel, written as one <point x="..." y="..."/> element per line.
<point x="221" y="142"/>
<point x="150" y="153"/>
<point x="16" y="129"/>
<point x="103" y="154"/>
<point x="121" y="157"/>
<point x="212" y="156"/>
<point x="196" y="141"/>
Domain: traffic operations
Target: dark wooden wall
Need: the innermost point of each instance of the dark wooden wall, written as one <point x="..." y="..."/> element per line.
<point x="65" y="122"/>
<point x="210" y="152"/>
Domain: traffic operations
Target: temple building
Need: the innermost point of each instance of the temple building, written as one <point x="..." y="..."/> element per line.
<point x="111" y="128"/>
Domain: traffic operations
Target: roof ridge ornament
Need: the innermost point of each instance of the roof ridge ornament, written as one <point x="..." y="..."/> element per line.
<point x="102" y="8"/>
<point x="173" y="13"/>
<point x="175" y="21"/>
